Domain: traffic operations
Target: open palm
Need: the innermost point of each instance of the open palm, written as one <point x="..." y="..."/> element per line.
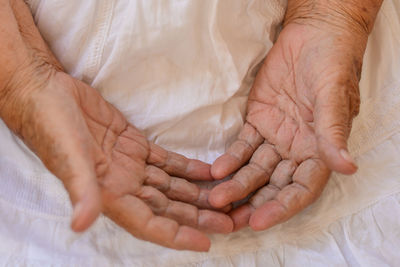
<point x="108" y="166"/>
<point x="298" y="120"/>
<point x="105" y="163"/>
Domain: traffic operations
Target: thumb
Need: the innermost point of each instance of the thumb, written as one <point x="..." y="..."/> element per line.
<point x="75" y="169"/>
<point x="85" y="197"/>
<point x="334" y="111"/>
<point x="61" y="139"/>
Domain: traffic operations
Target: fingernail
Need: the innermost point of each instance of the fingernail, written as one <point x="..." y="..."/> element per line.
<point x="75" y="216"/>
<point x="346" y="156"/>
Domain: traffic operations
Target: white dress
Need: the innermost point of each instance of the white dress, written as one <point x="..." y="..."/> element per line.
<point x="181" y="70"/>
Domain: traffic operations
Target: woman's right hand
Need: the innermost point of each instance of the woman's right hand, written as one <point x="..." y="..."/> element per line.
<point x="105" y="163"/>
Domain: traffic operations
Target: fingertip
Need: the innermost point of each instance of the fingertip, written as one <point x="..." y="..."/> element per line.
<point x="230" y="228"/>
<point x="206" y="247"/>
<point x="241" y="216"/>
<point x="217" y="170"/>
<point x="217" y="198"/>
<point x="81" y="219"/>
<point x="199" y="170"/>
<point x="223" y="166"/>
<point x="191" y="239"/>
<point x="227" y="208"/>
<point x="215" y="222"/>
<point x="338" y="164"/>
<point x="85" y="214"/>
<point x="266" y="216"/>
<point x="336" y="158"/>
<point x="349" y="163"/>
<point x="224" y="225"/>
<point x="256" y="223"/>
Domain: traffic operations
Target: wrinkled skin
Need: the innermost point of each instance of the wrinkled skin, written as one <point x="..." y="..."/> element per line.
<point x="105" y="163"/>
<point x="299" y="117"/>
<point x="298" y="120"/>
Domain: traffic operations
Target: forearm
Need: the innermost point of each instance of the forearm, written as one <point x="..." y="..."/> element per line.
<point x="13" y="52"/>
<point x="25" y="59"/>
<point x="21" y="43"/>
<point x="357" y="16"/>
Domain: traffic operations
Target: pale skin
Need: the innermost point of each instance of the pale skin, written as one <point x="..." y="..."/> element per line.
<point x="299" y="114"/>
<point x="105" y="163"/>
<point x="299" y="117"/>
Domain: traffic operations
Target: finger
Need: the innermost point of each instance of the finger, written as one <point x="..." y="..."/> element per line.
<point x="247" y="179"/>
<point x="80" y="180"/>
<point x="283" y="173"/>
<point x="333" y="115"/>
<point x="185" y="214"/>
<point x="178" y="165"/>
<point x="309" y="180"/>
<point x="179" y="189"/>
<point x="238" y="153"/>
<point x="86" y="206"/>
<point x="137" y="218"/>
<point x="280" y="178"/>
<point x="63" y="143"/>
<point x="240" y="216"/>
<point x="203" y="202"/>
<point x="174" y="188"/>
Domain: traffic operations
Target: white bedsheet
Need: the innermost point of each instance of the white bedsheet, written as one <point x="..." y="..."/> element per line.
<point x="180" y="70"/>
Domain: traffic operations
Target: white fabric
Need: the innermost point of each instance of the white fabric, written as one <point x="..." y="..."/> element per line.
<point x="180" y="70"/>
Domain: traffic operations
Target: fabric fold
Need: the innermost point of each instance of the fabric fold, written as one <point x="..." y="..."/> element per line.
<point x="180" y="71"/>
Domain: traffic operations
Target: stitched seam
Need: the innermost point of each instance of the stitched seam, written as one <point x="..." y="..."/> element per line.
<point x="101" y="28"/>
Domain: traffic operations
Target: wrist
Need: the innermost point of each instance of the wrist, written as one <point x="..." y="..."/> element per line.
<point x="347" y="17"/>
<point x="26" y="63"/>
<point x="22" y="48"/>
<point x="17" y="94"/>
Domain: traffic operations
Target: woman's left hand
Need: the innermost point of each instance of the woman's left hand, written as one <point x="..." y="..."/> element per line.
<point x="299" y="117"/>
